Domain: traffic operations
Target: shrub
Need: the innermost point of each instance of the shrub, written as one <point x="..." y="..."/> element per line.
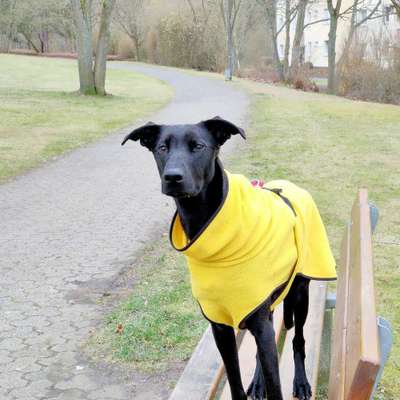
<point x="370" y="79"/>
<point x="183" y="43"/>
<point x="265" y="74"/>
<point x="302" y="80"/>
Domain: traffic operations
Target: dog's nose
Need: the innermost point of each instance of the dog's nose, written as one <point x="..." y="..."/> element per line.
<point x="173" y="176"/>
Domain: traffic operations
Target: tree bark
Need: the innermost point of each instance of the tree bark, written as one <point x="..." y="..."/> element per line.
<point x="44" y="41"/>
<point x="396" y="5"/>
<point x="102" y="46"/>
<point x="137" y="48"/>
<point x="334" y="16"/>
<point x="227" y="10"/>
<point x="82" y="17"/>
<point x="270" y="11"/>
<point x="332" y="57"/>
<point x="30" y="42"/>
<point x="298" y="38"/>
<point x="287" y="38"/>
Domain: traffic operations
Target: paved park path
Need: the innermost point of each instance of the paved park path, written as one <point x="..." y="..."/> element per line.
<point x="66" y="230"/>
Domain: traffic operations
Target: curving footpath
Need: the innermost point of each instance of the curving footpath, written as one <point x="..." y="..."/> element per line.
<point x="66" y="230"/>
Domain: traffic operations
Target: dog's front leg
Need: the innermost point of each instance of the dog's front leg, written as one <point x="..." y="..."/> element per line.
<point x="261" y="326"/>
<point x="226" y="343"/>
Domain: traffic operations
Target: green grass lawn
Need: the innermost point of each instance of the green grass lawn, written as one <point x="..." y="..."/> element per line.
<point x="42" y="115"/>
<point x="160" y="320"/>
<point x="329" y="145"/>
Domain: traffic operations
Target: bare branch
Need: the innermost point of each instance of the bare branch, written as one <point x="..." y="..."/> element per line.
<point x="193" y="10"/>
<point x="236" y="10"/>
<point x="369" y="15"/>
<point x="346" y="12"/>
<point x="292" y="14"/>
<point x="316" y="22"/>
<point x="396" y="5"/>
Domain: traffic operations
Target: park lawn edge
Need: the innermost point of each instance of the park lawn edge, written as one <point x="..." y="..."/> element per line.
<point x="46" y="120"/>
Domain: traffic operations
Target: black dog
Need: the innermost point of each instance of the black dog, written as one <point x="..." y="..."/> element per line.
<point x="190" y="171"/>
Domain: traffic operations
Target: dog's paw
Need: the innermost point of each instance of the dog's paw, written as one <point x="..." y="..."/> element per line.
<point x="256" y="390"/>
<point x="302" y="389"/>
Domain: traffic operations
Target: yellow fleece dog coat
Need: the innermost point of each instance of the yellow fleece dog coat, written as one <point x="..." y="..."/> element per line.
<point x="254" y="245"/>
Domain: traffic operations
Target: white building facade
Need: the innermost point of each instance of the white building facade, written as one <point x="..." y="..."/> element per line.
<point x="315" y="38"/>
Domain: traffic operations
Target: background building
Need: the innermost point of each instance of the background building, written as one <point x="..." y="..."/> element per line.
<point x="383" y="26"/>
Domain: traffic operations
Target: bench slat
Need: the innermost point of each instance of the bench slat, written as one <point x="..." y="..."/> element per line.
<point x="336" y="376"/>
<point x="312" y="336"/>
<point x="356" y="359"/>
<point x="362" y="353"/>
<point x="247" y="353"/>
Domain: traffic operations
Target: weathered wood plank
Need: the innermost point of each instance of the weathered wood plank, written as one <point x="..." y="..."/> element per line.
<point x="337" y="369"/>
<point x="355" y="348"/>
<point x="248" y="351"/>
<point x="362" y="343"/>
<point x="312" y="335"/>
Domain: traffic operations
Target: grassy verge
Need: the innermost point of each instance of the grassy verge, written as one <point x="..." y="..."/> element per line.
<point x="329" y="145"/>
<point x="43" y="116"/>
<point x="159" y="322"/>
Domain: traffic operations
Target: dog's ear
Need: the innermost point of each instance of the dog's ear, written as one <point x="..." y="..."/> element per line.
<point x="147" y="134"/>
<point x="222" y="129"/>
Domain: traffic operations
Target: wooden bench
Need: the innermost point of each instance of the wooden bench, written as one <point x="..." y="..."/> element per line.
<point x="359" y="342"/>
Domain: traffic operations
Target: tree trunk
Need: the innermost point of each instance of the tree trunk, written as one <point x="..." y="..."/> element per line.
<point x="102" y="47"/>
<point x="334" y="13"/>
<point x="229" y="39"/>
<point x="287" y="38"/>
<point x="137" y="49"/>
<point x="332" y="55"/>
<point x="44" y="41"/>
<point x="231" y="54"/>
<point x="82" y="17"/>
<point x="30" y="42"/>
<point x="270" y="9"/>
<point x="346" y="49"/>
<point x="298" y="38"/>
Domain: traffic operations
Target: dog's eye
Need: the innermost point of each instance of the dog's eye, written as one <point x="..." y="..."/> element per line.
<point x="198" y="146"/>
<point x="163" y="148"/>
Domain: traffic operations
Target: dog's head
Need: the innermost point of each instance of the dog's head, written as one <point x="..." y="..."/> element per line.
<point x="185" y="154"/>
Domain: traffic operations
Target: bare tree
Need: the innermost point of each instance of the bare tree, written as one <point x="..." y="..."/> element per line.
<point x="204" y="14"/>
<point x="287" y="37"/>
<point x="129" y="17"/>
<point x="92" y="77"/>
<point x="229" y="11"/>
<point x="334" y="13"/>
<point x="102" y="46"/>
<point x="396" y="5"/>
<point x="298" y="37"/>
<point x="7" y="23"/>
<point x="270" y="11"/>
<point x="355" y="23"/>
<point x="247" y="19"/>
<point x="83" y="22"/>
